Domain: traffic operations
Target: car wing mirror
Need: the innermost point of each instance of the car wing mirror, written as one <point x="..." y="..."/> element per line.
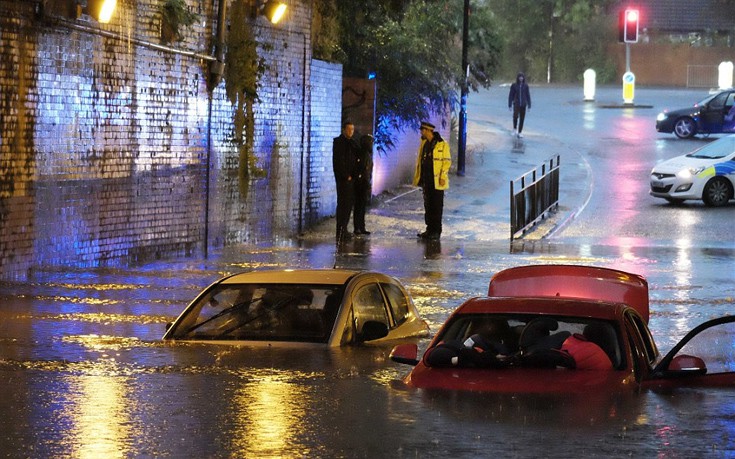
<point x="405" y="353"/>
<point x="686" y="365"/>
<point x="372" y="330"/>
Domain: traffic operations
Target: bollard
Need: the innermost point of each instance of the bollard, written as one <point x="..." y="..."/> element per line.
<point x="628" y="88"/>
<point x="724" y="78"/>
<point x="589" y="84"/>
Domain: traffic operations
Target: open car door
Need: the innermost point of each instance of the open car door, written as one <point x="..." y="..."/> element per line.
<point x="573" y="281"/>
<point x="705" y="357"/>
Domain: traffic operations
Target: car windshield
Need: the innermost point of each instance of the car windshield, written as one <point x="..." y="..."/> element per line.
<point x="514" y="335"/>
<point x="273" y="312"/>
<point x="715" y="150"/>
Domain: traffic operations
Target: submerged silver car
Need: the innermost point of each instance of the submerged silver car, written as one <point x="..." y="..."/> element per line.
<point x="312" y="307"/>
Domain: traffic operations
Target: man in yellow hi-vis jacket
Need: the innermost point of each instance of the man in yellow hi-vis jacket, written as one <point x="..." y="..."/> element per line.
<point x="432" y="175"/>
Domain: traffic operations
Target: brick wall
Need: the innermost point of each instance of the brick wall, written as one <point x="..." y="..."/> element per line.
<point x="112" y="150"/>
<point x="326" y="106"/>
<point x="665" y="64"/>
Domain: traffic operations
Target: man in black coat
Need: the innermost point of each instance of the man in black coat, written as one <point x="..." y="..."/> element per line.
<point x="344" y="153"/>
<point x="519" y="98"/>
<point x="363" y="182"/>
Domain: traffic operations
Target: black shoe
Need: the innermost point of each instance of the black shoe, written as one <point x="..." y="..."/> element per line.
<point x="433" y="236"/>
<point x="362" y="232"/>
<point x="423" y="235"/>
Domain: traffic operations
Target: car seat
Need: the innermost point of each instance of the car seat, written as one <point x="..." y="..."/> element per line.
<point x="604" y="336"/>
<point x="540" y="348"/>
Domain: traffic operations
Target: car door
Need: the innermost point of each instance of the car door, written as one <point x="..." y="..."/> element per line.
<point x="368" y="315"/>
<point x="705" y="357"/>
<point x="713" y="114"/>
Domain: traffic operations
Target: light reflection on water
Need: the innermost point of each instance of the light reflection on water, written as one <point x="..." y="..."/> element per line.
<point x="268" y="415"/>
<point x="83" y="347"/>
<point x="96" y="408"/>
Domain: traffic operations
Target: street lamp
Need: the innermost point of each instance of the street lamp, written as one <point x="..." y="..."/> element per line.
<point x="101" y="10"/>
<point x="272" y="9"/>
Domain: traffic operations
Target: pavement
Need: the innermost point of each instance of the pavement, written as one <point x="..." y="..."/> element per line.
<point x="477" y="205"/>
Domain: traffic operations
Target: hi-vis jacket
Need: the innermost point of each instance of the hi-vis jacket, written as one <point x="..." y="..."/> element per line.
<point x="442" y="161"/>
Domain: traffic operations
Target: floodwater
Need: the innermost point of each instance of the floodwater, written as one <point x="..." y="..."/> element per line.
<point x="85" y="374"/>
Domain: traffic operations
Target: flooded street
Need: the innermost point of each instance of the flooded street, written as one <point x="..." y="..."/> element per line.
<point x="86" y="374"/>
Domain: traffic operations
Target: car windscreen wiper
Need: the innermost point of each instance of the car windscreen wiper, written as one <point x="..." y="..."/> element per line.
<point x="267" y="310"/>
<point x="223" y="312"/>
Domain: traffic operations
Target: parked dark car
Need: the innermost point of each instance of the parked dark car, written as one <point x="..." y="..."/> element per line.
<point x="712" y="115"/>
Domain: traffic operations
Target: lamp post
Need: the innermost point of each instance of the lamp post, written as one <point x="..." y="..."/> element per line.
<point x="462" y="141"/>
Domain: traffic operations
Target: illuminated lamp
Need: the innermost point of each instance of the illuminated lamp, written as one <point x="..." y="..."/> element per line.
<point x="271" y="9"/>
<point x="590" y="79"/>
<point x="101" y="10"/>
<point x="724" y="75"/>
<point x="628" y="88"/>
<point x="274" y="10"/>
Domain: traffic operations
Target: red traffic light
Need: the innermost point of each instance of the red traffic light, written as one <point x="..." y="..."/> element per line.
<point x="628" y="26"/>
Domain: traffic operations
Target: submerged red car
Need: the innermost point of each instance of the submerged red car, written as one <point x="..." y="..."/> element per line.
<point x="549" y="329"/>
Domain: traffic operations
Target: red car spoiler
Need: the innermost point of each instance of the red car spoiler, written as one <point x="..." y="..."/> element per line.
<point x="572" y="281"/>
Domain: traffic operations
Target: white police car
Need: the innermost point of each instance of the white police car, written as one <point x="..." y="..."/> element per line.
<point x="706" y="174"/>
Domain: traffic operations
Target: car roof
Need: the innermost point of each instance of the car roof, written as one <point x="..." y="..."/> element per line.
<point x="570" y="307"/>
<point x="293" y="276"/>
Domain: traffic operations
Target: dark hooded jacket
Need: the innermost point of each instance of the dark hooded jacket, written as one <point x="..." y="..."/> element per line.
<point x="519" y="94"/>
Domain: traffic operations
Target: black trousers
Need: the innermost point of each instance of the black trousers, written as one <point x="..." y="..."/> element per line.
<point x="433" y="209"/>
<point x="519" y="115"/>
<point x="345" y="202"/>
<point x="362" y="196"/>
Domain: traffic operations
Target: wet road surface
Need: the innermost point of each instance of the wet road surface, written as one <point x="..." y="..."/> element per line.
<point x="86" y="375"/>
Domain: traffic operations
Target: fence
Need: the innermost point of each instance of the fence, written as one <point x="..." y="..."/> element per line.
<point x="538" y="193"/>
<point x="702" y="76"/>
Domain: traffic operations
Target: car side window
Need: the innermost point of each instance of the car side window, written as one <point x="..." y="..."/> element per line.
<point x="649" y="347"/>
<point x="730" y="100"/>
<point x="397" y="301"/>
<point x="718" y="102"/>
<point x="369" y="306"/>
<point x="714" y="345"/>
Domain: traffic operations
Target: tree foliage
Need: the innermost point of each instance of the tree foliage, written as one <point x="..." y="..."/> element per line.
<point x="555" y="40"/>
<point x="414" y="47"/>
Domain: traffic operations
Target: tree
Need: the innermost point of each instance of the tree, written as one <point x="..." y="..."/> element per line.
<point x="555" y="40"/>
<point x="414" y="48"/>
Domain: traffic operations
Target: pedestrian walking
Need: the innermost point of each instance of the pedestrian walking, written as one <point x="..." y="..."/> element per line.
<point x="363" y="183"/>
<point x="344" y="153"/>
<point x="432" y="175"/>
<point x="519" y="99"/>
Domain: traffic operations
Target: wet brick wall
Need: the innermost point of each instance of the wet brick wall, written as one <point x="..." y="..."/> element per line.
<point x="325" y="126"/>
<point x="113" y="151"/>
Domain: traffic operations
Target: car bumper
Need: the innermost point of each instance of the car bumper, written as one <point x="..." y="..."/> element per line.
<point x="664" y="126"/>
<point x="675" y="188"/>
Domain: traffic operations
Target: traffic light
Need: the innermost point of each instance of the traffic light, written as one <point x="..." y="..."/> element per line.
<point x="628" y="26"/>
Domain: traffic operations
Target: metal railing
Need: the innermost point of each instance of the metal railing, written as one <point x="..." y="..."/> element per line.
<point x="702" y="76"/>
<point x="532" y="196"/>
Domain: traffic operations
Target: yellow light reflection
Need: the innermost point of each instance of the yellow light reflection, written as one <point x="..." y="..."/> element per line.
<point x="101" y="424"/>
<point x="269" y="416"/>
